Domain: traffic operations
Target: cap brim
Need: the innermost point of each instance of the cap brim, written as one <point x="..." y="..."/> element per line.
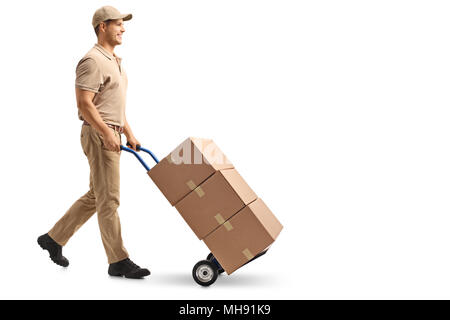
<point x="126" y="17"/>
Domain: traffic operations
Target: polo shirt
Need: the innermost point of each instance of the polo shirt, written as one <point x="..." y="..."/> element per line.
<point x="101" y="72"/>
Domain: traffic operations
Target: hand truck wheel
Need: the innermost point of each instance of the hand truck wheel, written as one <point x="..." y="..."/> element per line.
<point x="211" y="257"/>
<point x="205" y="272"/>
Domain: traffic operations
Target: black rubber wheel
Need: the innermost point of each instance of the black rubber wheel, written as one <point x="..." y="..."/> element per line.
<point x="205" y="273"/>
<point x="211" y="257"/>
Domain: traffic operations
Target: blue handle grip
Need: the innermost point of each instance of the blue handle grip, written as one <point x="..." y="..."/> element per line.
<point x="138" y="157"/>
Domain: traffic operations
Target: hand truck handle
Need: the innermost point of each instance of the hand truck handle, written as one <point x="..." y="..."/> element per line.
<point x="139" y="148"/>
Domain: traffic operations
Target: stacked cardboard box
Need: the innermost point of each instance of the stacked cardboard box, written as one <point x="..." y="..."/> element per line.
<point x="216" y="202"/>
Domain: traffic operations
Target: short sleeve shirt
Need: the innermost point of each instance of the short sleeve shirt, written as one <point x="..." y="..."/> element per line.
<point x="101" y="72"/>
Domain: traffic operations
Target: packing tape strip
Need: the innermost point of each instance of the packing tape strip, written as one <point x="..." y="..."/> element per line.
<point x="199" y="192"/>
<point x="228" y="226"/>
<point x="219" y="218"/>
<point x="247" y="253"/>
<point x="191" y="184"/>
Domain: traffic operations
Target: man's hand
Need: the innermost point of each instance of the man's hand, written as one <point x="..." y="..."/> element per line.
<point x="111" y="142"/>
<point x="133" y="142"/>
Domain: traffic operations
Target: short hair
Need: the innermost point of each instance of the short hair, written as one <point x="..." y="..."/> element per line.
<point x="98" y="26"/>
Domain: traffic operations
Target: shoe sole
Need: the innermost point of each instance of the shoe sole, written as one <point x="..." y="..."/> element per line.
<point x="137" y="275"/>
<point x="42" y="245"/>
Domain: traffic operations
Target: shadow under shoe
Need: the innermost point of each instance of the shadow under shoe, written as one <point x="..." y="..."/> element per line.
<point x="54" y="249"/>
<point x="128" y="269"/>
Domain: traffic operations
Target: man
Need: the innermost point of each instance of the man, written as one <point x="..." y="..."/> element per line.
<point x="100" y="88"/>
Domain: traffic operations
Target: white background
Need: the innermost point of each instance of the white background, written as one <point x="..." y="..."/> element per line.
<point x="335" y="112"/>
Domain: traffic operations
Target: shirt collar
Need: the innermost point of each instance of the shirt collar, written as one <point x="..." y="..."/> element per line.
<point x="106" y="53"/>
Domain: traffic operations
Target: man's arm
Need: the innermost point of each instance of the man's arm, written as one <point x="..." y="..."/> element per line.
<point x="130" y="136"/>
<point x="91" y="115"/>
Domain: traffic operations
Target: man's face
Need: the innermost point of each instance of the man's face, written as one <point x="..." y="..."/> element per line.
<point x="113" y="32"/>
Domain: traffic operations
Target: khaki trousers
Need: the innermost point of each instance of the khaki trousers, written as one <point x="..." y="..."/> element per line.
<point x="102" y="197"/>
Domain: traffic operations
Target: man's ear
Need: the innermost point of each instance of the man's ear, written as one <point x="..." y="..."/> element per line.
<point x="102" y="26"/>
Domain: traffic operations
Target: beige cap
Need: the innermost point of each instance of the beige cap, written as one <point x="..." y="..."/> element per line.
<point x="108" y="13"/>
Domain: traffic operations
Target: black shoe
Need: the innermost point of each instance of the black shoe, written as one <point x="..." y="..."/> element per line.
<point x="128" y="269"/>
<point x="54" y="249"/>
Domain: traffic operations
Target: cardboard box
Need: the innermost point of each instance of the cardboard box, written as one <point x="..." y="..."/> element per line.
<point x="186" y="167"/>
<point x="216" y="200"/>
<point x="243" y="236"/>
